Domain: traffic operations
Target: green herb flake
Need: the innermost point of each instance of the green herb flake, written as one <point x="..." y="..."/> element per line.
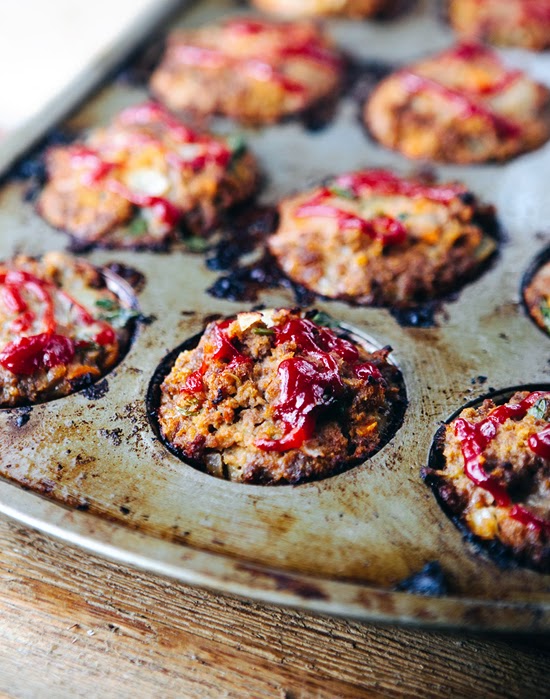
<point x="107" y="304"/>
<point x="263" y="331"/>
<point x="118" y="316"/>
<point x="138" y="226"/>
<point x="341" y="192"/>
<point x="321" y="318"/>
<point x="545" y="312"/>
<point x="538" y="410"/>
<point x="196" y="244"/>
<point x="191" y="407"/>
<point x="237" y="146"/>
<point x="403" y="217"/>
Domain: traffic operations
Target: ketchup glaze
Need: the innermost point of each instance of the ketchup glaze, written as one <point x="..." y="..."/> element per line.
<point x="311" y="383"/>
<point x="384" y="229"/>
<point x="47" y="349"/>
<point x="287" y="44"/>
<point x="97" y="170"/>
<point x="467" y="99"/>
<point x="474" y="439"/>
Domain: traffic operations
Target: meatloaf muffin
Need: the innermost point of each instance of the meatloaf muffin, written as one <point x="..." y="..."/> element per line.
<point x="249" y="69"/>
<point x="461" y="106"/>
<point x="60" y="328"/>
<point x="494" y="475"/>
<point x="275" y="397"/>
<point x="133" y="183"/>
<point x="536" y="295"/>
<point x="355" y="9"/>
<point x="523" y="23"/>
<point x="374" y="238"/>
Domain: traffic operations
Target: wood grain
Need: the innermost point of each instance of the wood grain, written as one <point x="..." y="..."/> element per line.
<point x="74" y="625"/>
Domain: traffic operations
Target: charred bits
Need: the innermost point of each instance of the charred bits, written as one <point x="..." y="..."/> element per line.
<point x="429" y="581"/>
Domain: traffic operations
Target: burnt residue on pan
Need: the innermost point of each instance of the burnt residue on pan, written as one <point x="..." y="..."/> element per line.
<point x="431" y="580"/>
<point x="31" y="168"/>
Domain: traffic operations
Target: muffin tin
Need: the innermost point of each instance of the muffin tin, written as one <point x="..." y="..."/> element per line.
<point x="342" y="545"/>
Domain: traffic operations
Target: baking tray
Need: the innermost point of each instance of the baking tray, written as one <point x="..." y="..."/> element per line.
<point x="341" y="545"/>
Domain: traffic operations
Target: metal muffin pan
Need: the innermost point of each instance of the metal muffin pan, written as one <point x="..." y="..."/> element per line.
<point x="340" y="545"/>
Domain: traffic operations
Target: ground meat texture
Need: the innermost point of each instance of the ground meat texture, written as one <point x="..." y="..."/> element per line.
<point x="497" y="483"/>
<point x="461" y="106"/>
<point x="135" y="182"/>
<point x="355" y="9"/>
<point x="253" y="70"/>
<point x="523" y="23"/>
<point x="269" y="408"/>
<point x="537" y="297"/>
<point x="377" y="239"/>
<point x="60" y="328"/>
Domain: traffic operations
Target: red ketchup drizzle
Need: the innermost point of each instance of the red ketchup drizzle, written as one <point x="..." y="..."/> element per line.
<point x="538" y="10"/>
<point x="473" y="51"/>
<point x="309" y="48"/>
<point x="224" y="350"/>
<point x="414" y="84"/>
<point x="98" y="170"/>
<point x="474" y="440"/>
<point x="385" y="229"/>
<point x="309" y="384"/>
<point x="27" y="355"/>
<point x="386" y="183"/>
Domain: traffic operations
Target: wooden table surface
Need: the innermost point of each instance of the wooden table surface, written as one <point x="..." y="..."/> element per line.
<point x="74" y="625"/>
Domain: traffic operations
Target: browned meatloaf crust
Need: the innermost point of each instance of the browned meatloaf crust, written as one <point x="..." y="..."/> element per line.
<point x="374" y="238"/>
<point x="356" y="9"/>
<point x="537" y="297"/>
<point x="272" y="397"/>
<point x="253" y="70"/>
<point x="461" y="106"/>
<point x="133" y="183"/>
<point x="494" y="477"/>
<point x="61" y="328"/>
<point x="523" y="23"/>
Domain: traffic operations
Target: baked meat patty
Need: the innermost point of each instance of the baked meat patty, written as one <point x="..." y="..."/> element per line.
<point x="133" y="183"/>
<point x="253" y="70"/>
<point x="275" y="397"/>
<point x="355" y="9"/>
<point x="494" y="476"/>
<point x="374" y="238"/>
<point x="461" y="106"/>
<point x="60" y="328"/>
<point x="523" y="23"/>
<point x="536" y="295"/>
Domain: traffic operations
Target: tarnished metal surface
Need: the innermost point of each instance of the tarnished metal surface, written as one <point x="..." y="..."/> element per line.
<point x="341" y="544"/>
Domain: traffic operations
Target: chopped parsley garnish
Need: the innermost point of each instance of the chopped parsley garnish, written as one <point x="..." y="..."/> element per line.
<point x="237" y="146"/>
<point x="191" y="407"/>
<point x="341" y="192"/>
<point x="322" y="318"/>
<point x="116" y="315"/>
<point x="538" y="410"/>
<point x="263" y="331"/>
<point x="138" y="226"/>
<point x="196" y="244"/>
<point x="107" y="304"/>
<point x="545" y="312"/>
